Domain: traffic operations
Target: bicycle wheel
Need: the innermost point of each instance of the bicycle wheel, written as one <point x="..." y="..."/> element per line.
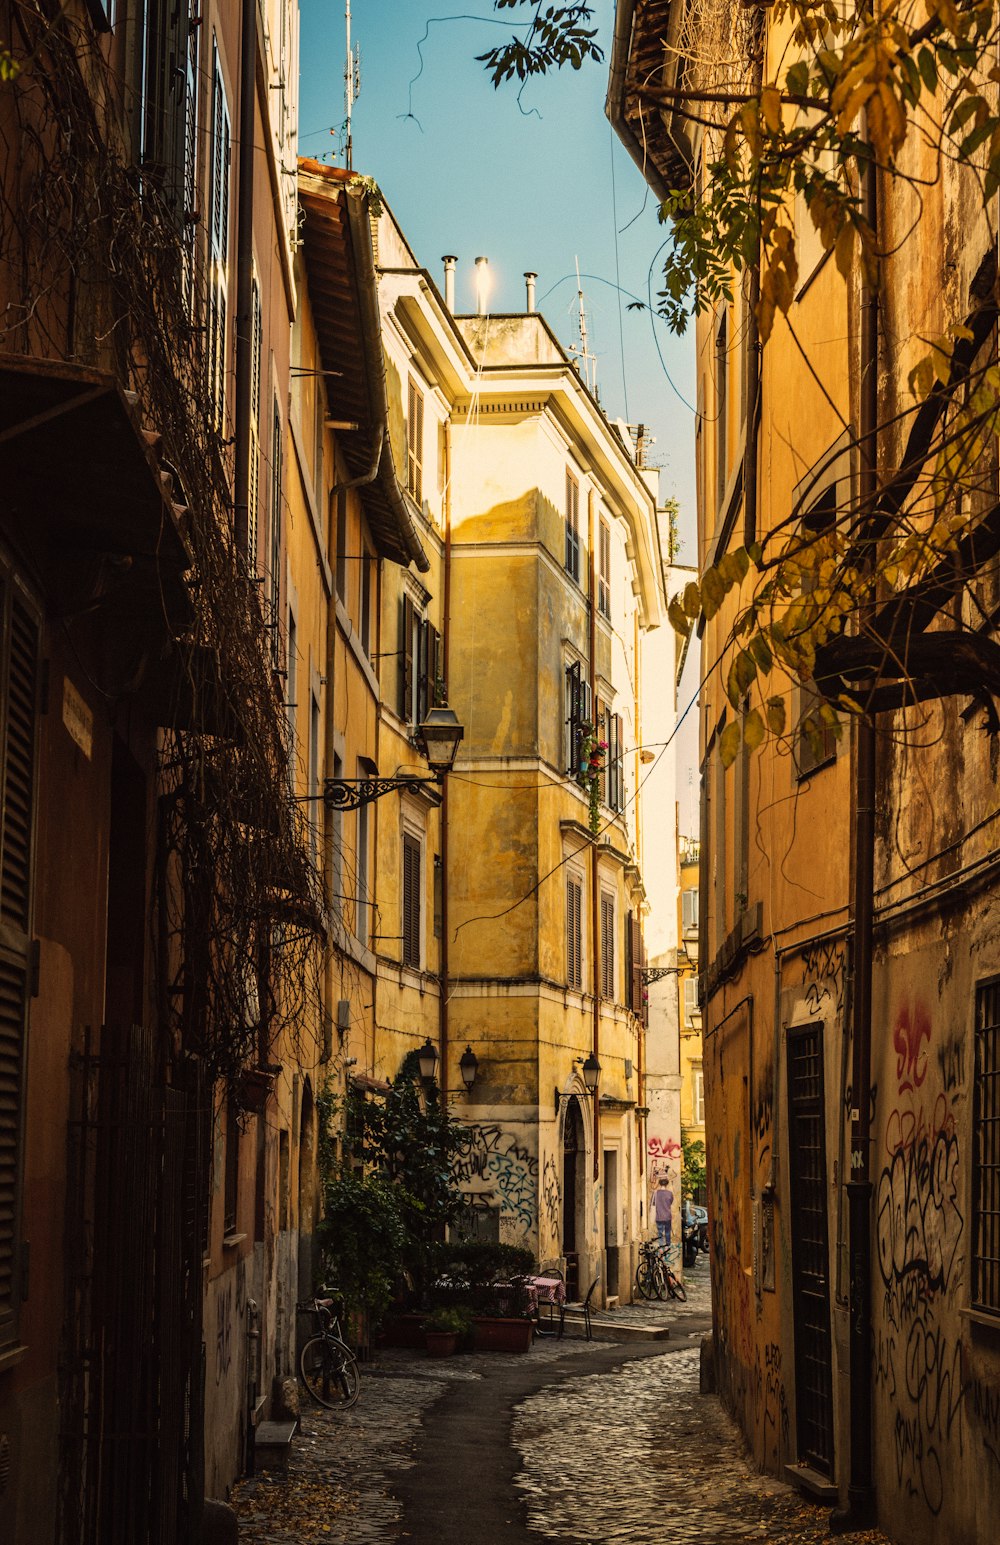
<point x="675" y="1286"/>
<point x="661" y="1278"/>
<point x="645" y="1284"/>
<point x="330" y="1372"/>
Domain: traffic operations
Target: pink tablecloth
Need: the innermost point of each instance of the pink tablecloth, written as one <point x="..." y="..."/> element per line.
<point x="546" y="1290"/>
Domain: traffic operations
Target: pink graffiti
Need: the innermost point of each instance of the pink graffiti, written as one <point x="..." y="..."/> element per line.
<point x="663" y="1148"/>
<point x="907" y="1039"/>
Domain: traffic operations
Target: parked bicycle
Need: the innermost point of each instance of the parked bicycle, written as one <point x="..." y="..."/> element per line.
<point x="655" y="1276"/>
<point x="328" y="1367"/>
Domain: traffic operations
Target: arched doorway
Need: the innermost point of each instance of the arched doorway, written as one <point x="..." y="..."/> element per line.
<point x="573" y="1186"/>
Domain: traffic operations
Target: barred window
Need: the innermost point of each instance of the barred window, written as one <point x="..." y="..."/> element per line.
<point x="986" y="1150"/>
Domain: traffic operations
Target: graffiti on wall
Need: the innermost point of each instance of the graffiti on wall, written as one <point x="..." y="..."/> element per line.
<point x="551" y="1197"/>
<point x="920" y="1224"/>
<point x="490" y="1156"/>
<point x="824" y="970"/>
<point x="664" y="1155"/>
<point x="223" y="1332"/>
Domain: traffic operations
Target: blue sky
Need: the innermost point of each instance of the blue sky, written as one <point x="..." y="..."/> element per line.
<point x="466" y="170"/>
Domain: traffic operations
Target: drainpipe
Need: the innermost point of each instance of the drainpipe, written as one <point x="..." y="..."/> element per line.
<point x="860" y="1510"/>
<point x="243" y="404"/>
<point x="445" y="658"/>
<point x="595" y="895"/>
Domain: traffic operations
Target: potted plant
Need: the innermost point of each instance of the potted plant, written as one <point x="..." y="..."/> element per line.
<point x="443" y="1329"/>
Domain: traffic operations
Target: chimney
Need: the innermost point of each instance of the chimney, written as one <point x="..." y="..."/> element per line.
<point x="449" y="281"/>
<point x="482" y="284"/>
<point x="529" y="285"/>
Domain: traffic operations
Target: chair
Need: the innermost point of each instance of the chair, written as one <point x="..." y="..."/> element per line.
<point x="588" y="1332"/>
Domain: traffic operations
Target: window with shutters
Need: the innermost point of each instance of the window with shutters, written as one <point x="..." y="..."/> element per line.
<point x="275" y="505"/>
<point x="420" y="664"/>
<point x="690" y="985"/>
<point x="578" y="701"/>
<point x="166" y="133"/>
<point x="604" y="569"/>
<point x="218" y="243"/>
<point x="689" y="911"/>
<point x="412" y="899"/>
<point x="191" y="218"/>
<point x="342" y="544"/>
<point x="231" y="1192"/>
<point x="572" y="527"/>
<point x="365" y="635"/>
<point x="253" y="497"/>
<point x="415" y="443"/>
<point x="699" y="1098"/>
<point x="19" y="640"/>
<point x="636" y="961"/>
<point x="574" y="931"/>
<point x="607" y="946"/>
<point x="609" y="729"/>
<point x="986" y="1150"/>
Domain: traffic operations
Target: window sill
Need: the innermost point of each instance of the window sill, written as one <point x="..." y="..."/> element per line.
<point x="982" y="1319"/>
<point x="230" y="1241"/>
<point x="12" y="1356"/>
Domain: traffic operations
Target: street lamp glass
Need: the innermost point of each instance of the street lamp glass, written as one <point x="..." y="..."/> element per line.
<point x="591" y="1072"/>
<point x="427" y="1059"/>
<point x="441" y="733"/>
<point x="468" y="1066"/>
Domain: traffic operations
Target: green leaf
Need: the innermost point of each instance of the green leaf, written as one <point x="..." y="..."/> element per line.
<point x="797" y="79"/>
<point x="729" y="743"/>
<point x="927" y="66"/>
<point x="761" y="652"/>
<point x="691" y="600"/>
<point x="753" y="730"/>
<point x="755" y="553"/>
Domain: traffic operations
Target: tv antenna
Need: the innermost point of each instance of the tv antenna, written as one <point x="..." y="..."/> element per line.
<point x="586" y="362"/>
<point x="352" y="87"/>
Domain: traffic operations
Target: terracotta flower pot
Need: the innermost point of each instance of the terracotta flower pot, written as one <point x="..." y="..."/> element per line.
<point x="441" y="1343"/>
<point x="502" y="1335"/>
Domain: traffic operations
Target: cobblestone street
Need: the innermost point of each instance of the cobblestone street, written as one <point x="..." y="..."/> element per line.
<point x="587" y="1443"/>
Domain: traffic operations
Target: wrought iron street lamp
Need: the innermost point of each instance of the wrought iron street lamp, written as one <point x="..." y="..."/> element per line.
<point x="439" y="736"/>
<point x="427" y="1059"/>
<point x="468" y="1066"/>
<point x="591" y="1072"/>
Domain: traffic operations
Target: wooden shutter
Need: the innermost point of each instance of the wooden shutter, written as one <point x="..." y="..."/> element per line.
<point x="405" y="702"/>
<point x="574" y="932"/>
<point x="165" y="101"/>
<point x="616" y="778"/>
<point x="432" y="664"/>
<point x="635" y="951"/>
<point x="607" y="947"/>
<point x="253" y="499"/>
<point x="415" y="442"/>
<point x="218" y="243"/>
<point x="19" y="639"/>
<point x="411" y="900"/>
<point x="423" y="642"/>
<point x="572" y="526"/>
<point x="604" y="570"/>
<point x="274" y="556"/>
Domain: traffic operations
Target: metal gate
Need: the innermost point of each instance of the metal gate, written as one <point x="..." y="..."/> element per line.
<point x="810" y="1249"/>
<point x="131" y="1396"/>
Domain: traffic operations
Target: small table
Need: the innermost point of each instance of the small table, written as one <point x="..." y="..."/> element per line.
<point x="549" y="1292"/>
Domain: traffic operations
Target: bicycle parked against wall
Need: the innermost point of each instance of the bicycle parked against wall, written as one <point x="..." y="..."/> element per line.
<point x="655" y="1276"/>
<point x="328" y="1367"/>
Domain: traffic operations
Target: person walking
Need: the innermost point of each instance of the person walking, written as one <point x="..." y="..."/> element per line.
<point x="663" y="1211"/>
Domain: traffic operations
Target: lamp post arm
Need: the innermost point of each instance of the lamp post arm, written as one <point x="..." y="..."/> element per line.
<point x="352" y="793"/>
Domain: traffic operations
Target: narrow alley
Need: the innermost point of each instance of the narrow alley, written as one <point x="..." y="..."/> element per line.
<point x="546" y="1446"/>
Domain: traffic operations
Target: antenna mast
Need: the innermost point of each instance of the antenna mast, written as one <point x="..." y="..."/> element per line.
<point x="583" y="354"/>
<point x="352" y="87"/>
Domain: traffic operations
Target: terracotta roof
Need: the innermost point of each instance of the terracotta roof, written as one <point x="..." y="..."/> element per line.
<point x="340" y="265"/>
<point x="655" y="138"/>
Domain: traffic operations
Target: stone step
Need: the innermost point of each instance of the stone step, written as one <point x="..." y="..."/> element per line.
<point x="272" y="1445"/>
<point x="610" y="1329"/>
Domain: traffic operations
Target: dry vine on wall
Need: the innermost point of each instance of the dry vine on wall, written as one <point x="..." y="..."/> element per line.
<point x="96" y="268"/>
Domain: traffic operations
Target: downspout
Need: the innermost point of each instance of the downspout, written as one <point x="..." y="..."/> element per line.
<point x="595" y="895"/>
<point x="445" y="660"/>
<point x="243" y="404"/>
<point x="860" y="1490"/>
